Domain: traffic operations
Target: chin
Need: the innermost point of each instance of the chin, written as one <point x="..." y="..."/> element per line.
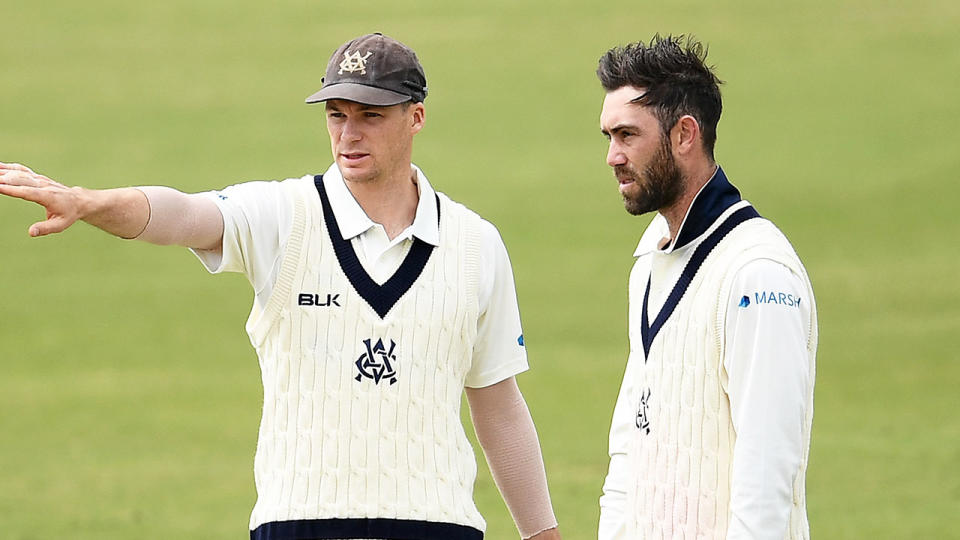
<point x="355" y="174"/>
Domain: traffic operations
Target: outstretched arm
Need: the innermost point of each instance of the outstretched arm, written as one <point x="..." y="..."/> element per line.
<point x="153" y="214"/>
<point x="509" y="441"/>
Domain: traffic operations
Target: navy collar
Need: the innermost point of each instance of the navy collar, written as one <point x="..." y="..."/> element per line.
<point x="716" y="196"/>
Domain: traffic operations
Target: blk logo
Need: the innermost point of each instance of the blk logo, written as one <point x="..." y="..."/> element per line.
<point x="377" y="362"/>
<point x="307" y="299"/>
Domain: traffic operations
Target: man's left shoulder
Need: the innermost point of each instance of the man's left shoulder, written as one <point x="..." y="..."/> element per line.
<point x="760" y="239"/>
<point x="762" y="232"/>
<point x="484" y="227"/>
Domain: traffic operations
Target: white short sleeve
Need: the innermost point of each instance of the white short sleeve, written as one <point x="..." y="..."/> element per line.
<point x="257" y="217"/>
<point x="499" y="352"/>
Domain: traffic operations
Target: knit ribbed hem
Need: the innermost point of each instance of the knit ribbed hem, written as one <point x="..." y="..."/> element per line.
<point x="392" y="529"/>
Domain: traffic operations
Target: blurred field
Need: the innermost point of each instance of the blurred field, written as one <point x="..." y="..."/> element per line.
<point x="129" y="395"/>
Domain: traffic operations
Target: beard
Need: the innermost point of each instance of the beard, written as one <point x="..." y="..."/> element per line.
<point x="660" y="185"/>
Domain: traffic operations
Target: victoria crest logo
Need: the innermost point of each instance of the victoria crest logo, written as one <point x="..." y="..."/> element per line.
<point x="377" y="362"/>
<point x="643" y="419"/>
<point x="354" y="62"/>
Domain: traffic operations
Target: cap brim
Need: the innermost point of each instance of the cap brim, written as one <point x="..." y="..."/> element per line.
<point x="360" y="93"/>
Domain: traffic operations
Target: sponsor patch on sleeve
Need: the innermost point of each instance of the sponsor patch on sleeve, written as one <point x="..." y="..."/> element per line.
<point x="770" y="297"/>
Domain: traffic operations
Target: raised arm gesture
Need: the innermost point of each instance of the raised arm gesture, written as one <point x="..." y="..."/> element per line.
<point x="154" y="214"/>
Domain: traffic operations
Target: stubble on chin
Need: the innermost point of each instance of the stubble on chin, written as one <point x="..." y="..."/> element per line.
<point x="660" y="186"/>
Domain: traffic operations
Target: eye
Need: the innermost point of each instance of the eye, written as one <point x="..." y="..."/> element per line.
<point x="335" y="114"/>
<point x="372" y="114"/>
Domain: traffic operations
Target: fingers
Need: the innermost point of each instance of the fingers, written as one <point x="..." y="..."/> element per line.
<point x="19" y="181"/>
<point x="53" y="225"/>
<point x="14" y="167"/>
<point x="22" y="178"/>
<point x="51" y="181"/>
<point x="21" y="175"/>
<point x="25" y="192"/>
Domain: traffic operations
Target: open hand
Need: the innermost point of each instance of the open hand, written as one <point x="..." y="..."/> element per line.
<point x="63" y="204"/>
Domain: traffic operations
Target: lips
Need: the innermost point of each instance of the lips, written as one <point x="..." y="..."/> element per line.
<point x="624" y="179"/>
<point x="624" y="175"/>
<point x="351" y="157"/>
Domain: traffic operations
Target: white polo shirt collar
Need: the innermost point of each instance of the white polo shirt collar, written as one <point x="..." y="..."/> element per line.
<point x="353" y="221"/>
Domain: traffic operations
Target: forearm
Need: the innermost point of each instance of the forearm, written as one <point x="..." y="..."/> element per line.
<point x="176" y="218"/>
<point x="509" y="440"/>
<point x="122" y="212"/>
<point x="769" y="384"/>
<point x="154" y="214"/>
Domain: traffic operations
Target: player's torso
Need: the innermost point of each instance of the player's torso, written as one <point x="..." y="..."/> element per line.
<point x="362" y="381"/>
<point x="682" y="446"/>
<point x="682" y="434"/>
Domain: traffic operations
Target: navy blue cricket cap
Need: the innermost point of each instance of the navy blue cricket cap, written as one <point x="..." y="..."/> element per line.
<point x="374" y="70"/>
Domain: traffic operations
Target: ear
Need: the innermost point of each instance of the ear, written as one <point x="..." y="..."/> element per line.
<point x="686" y="136"/>
<point x="417" y="115"/>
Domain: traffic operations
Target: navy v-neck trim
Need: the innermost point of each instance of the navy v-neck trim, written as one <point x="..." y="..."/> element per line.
<point x="379" y="297"/>
<point x="649" y="332"/>
<point x="717" y="195"/>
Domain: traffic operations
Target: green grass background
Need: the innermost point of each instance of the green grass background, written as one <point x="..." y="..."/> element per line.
<point x="129" y="395"/>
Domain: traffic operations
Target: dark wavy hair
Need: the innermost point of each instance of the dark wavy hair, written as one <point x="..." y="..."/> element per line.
<point x="677" y="80"/>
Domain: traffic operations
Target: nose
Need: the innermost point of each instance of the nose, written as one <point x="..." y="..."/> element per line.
<point x="615" y="155"/>
<point x="349" y="131"/>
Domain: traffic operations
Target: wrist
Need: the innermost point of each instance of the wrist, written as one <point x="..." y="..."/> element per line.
<point x="85" y="202"/>
<point x="552" y="533"/>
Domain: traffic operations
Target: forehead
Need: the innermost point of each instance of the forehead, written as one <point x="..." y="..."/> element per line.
<point x="346" y="105"/>
<point x="619" y="110"/>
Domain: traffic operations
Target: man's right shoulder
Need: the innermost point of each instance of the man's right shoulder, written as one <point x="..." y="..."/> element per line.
<point x="265" y="188"/>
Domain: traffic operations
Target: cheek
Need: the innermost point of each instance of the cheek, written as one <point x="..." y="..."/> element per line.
<point x="641" y="156"/>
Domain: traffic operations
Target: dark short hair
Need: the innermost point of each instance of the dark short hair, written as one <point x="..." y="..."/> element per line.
<point x="677" y="80"/>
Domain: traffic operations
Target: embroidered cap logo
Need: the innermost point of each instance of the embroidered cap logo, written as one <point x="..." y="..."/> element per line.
<point x="354" y="62"/>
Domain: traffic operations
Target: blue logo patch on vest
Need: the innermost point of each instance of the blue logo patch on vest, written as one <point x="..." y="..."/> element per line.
<point x="745" y="301"/>
<point x="377" y="362"/>
<point x="776" y="297"/>
<point x="520" y="340"/>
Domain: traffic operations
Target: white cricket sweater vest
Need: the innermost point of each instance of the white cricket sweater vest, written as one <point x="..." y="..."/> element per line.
<point x="680" y="471"/>
<point x="361" y="414"/>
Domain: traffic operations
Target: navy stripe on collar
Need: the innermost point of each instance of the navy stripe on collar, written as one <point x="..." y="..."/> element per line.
<point x="648" y="331"/>
<point x="712" y="201"/>
<point x="383" y="297"/>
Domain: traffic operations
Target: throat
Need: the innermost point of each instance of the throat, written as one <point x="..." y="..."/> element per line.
<point x="392" y="204"/>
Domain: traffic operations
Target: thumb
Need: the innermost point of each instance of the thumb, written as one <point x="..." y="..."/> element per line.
<point x="53" y="225"/>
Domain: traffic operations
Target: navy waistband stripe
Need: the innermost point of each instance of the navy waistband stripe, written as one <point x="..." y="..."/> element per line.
<point x="392" y="529"/>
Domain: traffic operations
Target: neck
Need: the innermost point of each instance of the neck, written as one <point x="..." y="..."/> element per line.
<point x="390" y="201"/>
<point x="693" y="180"/>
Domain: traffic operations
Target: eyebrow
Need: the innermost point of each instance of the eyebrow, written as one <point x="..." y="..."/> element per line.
<point x="618" y="128"/>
